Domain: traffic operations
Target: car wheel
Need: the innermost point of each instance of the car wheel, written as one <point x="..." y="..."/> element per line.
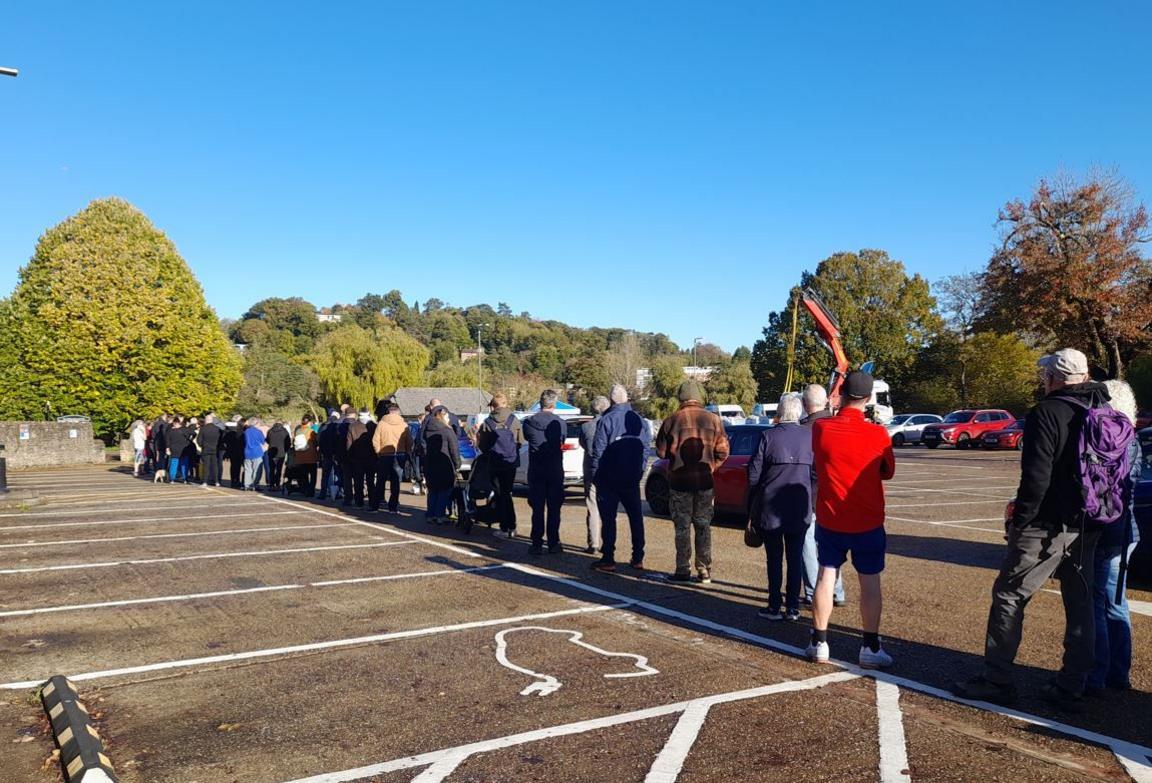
<point x="932" y="445"/>
<point x="898" y="439"/>
<point x="656" y="492"/>
<point x="963" y="440"/>
<point x="1020" y="444"/>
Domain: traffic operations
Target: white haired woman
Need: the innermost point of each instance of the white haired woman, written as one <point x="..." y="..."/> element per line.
<point x="780" y="504"/>
<point x="139" y="435"/>
<point x="1113" y="622"/>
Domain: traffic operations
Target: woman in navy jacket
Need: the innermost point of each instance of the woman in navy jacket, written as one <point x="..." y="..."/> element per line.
<point x="780" y="504"/>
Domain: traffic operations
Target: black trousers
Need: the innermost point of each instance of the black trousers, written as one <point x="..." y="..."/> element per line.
<point x="546" y="496"/>
<point x="236" y="471"/>
<point x="275" y="471"/>
<point x="388" y="470"/>
<point x="359" y="479"/>
<point x="503" y="478"/>
<point x="211" y="462"/>
<point x="609" y="496"/>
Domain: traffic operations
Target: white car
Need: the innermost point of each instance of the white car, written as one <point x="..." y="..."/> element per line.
<point x="573" y="455"/>
<point x="908" y="427"/>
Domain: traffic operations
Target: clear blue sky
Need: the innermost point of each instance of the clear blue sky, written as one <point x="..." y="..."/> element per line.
<point x="664" y="166"/>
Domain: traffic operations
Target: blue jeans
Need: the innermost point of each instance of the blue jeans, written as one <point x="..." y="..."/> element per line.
<point x="438" y="503"/>
<point x="1113" y="622"/>
<point x="177" y="468"/>
<point x="253" y="469"/>
<point x="812" y="566"/>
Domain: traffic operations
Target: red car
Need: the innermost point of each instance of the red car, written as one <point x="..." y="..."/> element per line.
<point x="964" y="428"/>
<point x="731" y="478"/>
<point x="1011" y="437"/>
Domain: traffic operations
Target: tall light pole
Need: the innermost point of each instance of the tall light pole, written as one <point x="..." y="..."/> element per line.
<point x="695" y="341"/>
<point x="480" y="365"/>
<point x="9" y="72"/>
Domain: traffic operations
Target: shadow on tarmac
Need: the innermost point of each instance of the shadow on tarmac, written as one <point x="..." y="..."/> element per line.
<point x="980" y="554"/>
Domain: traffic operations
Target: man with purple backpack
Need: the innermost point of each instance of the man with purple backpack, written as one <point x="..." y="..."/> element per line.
<point x="1073" y="469"/>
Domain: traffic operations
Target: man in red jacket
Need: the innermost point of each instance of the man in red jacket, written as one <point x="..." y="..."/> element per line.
<point x="853" y="457"/>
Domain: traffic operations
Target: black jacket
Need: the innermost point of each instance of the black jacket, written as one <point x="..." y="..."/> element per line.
<point x="1049" y="495"/>
<point x="279" y="442"/>
<point x="441" y="455"/>
<point x="176" y="440"/>
<point x="210" y="438"/>
<point x="545" y="433"/>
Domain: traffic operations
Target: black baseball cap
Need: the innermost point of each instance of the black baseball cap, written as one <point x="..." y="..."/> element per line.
<point x="858" y="385"/>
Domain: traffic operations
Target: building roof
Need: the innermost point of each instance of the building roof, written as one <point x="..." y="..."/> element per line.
<point x="459" y="400"/>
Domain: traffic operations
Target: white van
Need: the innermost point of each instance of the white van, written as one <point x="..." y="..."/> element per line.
<point x="731" y="414"/>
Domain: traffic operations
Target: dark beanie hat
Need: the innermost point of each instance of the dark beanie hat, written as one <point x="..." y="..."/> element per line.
<point x="690" y="390"/>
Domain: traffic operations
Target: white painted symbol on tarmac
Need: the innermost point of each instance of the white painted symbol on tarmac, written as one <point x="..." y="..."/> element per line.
<point x="546" y="683"/>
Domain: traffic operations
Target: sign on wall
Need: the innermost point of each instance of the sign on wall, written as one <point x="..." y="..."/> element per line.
<point x="25" y="434"/>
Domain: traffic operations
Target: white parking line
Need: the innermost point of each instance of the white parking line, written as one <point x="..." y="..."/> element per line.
<point x="229" y="532"/>
<point x="183" y="558"/>
<point x="934" y="504"/>
<point x="93" y="512"/>
<point x="442" y="760"/>
<point x="893" y="747"/>
<point x="330" y="645"/>
<point x="958" y="524"/>
<point x="146" y="520"/>
<point x="244" y="591"/>
<point x="1137" y="607"/>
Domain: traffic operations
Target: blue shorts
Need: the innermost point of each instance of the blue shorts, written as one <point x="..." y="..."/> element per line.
<point x="867" y="549"/>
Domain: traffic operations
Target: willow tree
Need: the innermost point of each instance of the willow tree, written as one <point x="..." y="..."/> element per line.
<point x="107" y="320"/>
<point x="361" y="366"/>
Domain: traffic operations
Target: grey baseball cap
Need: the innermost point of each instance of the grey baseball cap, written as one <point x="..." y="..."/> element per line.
<point x="1065" y="363"/>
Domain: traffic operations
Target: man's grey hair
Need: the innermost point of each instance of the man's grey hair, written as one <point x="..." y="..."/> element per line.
<point x="548" y="399"/>
<point x="600" y="404"/>
<point x="815" y="398"/>
<point x="209" y="418"/>
<point x="618" y="394"/>
<point x="1123" y="399"/>
<point x="790" y="409"/>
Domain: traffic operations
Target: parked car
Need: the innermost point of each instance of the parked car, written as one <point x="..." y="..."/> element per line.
<point x="1011" y="437"/>
<point x="906" y="427"/>
<point x="963" y="428"/>
<point x="731" y="414"/>
<point x="1143" y="419"/>
<point x="573" y="455"/>
<point x="731" y="478"/>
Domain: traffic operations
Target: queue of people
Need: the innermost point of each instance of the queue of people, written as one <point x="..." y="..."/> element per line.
<point x="815" y="499"/>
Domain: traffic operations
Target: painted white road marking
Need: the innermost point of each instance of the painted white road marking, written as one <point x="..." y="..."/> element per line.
<point x="893" y="747"/>
<point x="462" y="752"/>
<point x="182" y="558"/>
<point x="244" y="591"/>
<point x="546" y="683"/>
<point x="934" y="504"/>
<point x="224" y="514"/>
<point x="958" y="525"/>
<point x="329" y="645"/>
<point x="1138" y="607"/>
<point x="666" y="768"/>
<point x="233" y="531"/>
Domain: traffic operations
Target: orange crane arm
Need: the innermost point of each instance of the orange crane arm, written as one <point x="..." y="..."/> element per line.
<point x="828" y="330"/>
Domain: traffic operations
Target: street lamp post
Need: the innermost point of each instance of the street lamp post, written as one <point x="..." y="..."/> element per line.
<point x="695" y="342"/>
<point x="480" y="365"/>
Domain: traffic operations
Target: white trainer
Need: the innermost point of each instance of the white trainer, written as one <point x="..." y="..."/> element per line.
<point x="874" y="660"/>
<point x="818" y="652"/>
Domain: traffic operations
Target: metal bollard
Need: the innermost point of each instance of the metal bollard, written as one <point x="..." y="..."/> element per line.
<point x="3" y="471"/>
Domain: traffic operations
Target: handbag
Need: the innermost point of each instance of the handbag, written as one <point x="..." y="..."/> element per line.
<point x="752" y="537"/>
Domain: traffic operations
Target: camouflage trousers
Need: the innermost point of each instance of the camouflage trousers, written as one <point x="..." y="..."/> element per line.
<point x="692" y="511"/>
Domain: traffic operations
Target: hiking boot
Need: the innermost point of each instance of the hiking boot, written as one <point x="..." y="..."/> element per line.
<point x="980" y="689"/>
<point x="607" y="566"/>
<point x="874" y="659"/>
<point x="818" y="652"/>
<point x="555" y="549"/>
<point x="704" y="577"/>
<point x="768" y="613"/>
<point x="1063" y="700"/>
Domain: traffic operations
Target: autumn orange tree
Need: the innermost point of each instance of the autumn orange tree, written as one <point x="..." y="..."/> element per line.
<point x="1070" y="271"/>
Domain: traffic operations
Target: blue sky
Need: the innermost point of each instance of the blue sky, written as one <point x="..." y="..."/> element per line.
<point x="663" y="166"/>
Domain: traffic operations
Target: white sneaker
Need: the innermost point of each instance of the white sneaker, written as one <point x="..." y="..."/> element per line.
<point x="819" y="652"/>
<point x="415" y="489"/>
<point x="874" y="660"/>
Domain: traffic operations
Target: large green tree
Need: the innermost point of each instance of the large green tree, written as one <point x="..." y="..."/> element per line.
<point x="732" y="384"/>
<point x="107" y="320"/>
<point x="885" y="315"/>
<point x="986" y="370"/>
<point x="362" y="366"/>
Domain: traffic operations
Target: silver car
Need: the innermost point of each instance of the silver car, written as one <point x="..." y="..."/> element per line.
<point x="907" y="427"/>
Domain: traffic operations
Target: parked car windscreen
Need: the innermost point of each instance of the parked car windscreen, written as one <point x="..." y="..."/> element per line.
<point x="959" y="417"/>
<point x="903" y="417"/>
<point x="742" y="442"/>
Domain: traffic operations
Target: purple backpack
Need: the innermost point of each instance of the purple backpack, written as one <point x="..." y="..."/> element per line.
<point x="1104" y="465"/>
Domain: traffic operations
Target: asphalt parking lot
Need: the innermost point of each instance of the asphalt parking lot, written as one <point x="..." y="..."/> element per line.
<point x="225" y="636"/>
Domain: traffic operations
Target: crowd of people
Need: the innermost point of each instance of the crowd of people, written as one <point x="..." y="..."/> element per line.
<point x="815" y="498"/>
